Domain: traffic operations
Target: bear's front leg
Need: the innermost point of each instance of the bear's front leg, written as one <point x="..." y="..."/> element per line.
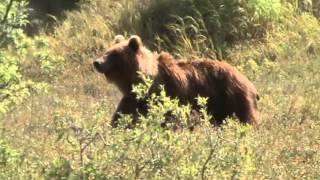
<point x="128" y="106"/>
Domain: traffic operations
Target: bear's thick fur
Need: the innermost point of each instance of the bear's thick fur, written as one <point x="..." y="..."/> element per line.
<point x="229" y="91"/>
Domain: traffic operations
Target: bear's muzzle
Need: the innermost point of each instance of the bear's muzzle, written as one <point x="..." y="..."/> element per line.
<point x="98" y="65"/>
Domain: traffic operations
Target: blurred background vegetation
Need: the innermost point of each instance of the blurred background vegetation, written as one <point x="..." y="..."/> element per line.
<point x="55" y="110"/>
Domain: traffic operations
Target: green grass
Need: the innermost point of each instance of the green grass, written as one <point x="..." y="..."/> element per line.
<point x="64" y="132"/>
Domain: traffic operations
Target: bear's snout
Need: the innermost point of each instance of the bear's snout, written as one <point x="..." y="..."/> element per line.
<point x="98" y="65"/>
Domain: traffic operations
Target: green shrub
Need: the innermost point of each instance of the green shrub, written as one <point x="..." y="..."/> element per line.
<point x="10" y="159"/>
<point x="22" y="59"/>
<point x="41" y="63"/>
<point x="12" y="88"/>
<point x="13" y="16"/>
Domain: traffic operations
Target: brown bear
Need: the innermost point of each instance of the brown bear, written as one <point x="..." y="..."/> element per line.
<point x="229" y="92"/>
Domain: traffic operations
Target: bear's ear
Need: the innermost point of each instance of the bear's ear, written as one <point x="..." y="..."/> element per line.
<point x="135" y="43"/>
<point x="118" y="39"/>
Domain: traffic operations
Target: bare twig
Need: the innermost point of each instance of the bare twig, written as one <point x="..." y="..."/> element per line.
<point x="212" y="150"/>
<point x="103" y="140"/>
<point x="138" y="170"/>
<point x="204" y="167"/>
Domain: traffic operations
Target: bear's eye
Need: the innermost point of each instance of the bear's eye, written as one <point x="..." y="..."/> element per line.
<point x="114" y="56"/>
<point x="115" y="60"/>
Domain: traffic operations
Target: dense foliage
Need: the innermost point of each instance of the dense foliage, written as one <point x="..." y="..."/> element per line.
<point x="55" y="110"/>
<point x="12" y="86"/>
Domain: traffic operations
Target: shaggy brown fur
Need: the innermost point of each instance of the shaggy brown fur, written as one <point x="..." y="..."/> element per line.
<point x="229" y="91"/>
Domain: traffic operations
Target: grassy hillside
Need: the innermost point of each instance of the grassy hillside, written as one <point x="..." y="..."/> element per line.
<point x="60" y="127"/>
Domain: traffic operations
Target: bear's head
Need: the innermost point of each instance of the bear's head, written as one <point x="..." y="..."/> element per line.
<point x="123" y="59"/>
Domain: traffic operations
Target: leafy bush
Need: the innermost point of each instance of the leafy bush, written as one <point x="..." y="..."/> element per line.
<point x="22" y="59"/>
<point x="41" y="63"/>
<point x="12" y="88"/>
<point x="13" y="17"/>
<point x="9" y="161"/>
<point x="149" y="150"/>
